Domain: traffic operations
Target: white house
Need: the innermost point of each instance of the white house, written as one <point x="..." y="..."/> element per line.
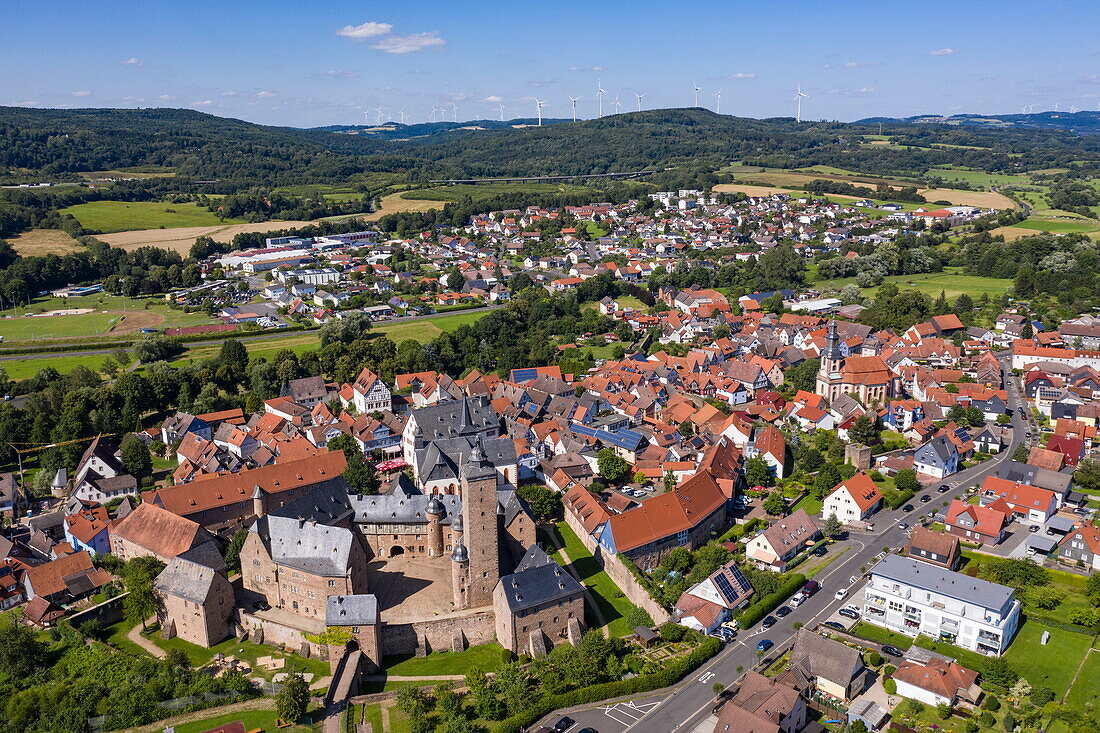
<point x="853" y="500"/>
<point x="936" y="681"/>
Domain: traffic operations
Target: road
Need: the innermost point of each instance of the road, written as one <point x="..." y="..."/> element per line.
<point x="687" y="705"/>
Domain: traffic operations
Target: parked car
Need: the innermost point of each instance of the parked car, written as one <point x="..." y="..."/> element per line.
<point x="768" y="622"/>
<point x="798" y="599"/>
<point x="841" y="594"/>
<point x="943" y="488"/>
<point x="892" y="651"/>
<point x="783" y="611"/>
<point x="907" y="508"/>
<point x="925" y="498"/>
<point x="849" y="613"/>
<point x="903" y="525"/>
<point x="764" y="645"/>
<point x="564" y="724"/>
<point x="1033" y="528"/>
<point x="821" y="550"/>
<point x="811" y="587"/>
<point x="723" y="697"/>
<point x="834" y="625"/>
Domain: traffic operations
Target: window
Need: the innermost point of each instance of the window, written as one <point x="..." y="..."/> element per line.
<point x="331" y="583"/>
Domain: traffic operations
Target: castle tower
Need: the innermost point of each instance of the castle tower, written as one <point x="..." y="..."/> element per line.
<point x="460" y="563"/>
<point x="435" y="511"/>
<point x="828" y="376"/>
<point x="482" y="537"/>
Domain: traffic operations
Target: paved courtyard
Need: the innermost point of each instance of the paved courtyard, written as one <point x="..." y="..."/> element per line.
<point x="411" y="589"/>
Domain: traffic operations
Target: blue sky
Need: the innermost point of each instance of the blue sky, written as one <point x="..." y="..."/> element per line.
<point x="325" y="62"/>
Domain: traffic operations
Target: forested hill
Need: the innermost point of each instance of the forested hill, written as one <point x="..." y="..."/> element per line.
<point x="200" y="146"/>
<point x="1085" y="122"/>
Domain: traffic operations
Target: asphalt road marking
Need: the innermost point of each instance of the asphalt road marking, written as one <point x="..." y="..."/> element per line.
<point x="632" y="711"/>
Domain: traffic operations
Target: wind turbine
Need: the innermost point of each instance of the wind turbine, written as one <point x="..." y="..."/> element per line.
<point x="378" y="116"/>
<point x="454" y="110"/>
<point x="696" y="88"/>
<point x="501" y="105"/>
<point x="1073" y="109"/>
<point x="618" y="107"/>
<point x="573" y="101"/>
<point x="798" y="95"/>
<point x="600" y="91"/>
<point x="366" y="118"/>
<point x="433" y="113"/>
<point x="538" y="109"/>
<point x="718" y="108"/>
<point x="402" y="113"/>
<point x="639" y="97"/>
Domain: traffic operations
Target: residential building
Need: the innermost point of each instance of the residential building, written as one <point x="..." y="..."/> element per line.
<point x="853" y="500"/>
<point x="983" y="525"/>
<point x="782" y="541"/>
<point x="913" y="597"/>
<point x="150" y="531"/>
<point x="709" y="603"/>
<point x="831" y="668"/>
<point x="763" y="705"/>
<point x="1029" y="502"/>
<point x="933" y="547"/>
<point x="937" y="458"/>
<point x="937" y="681"/>
<point x="1081" y="546"/>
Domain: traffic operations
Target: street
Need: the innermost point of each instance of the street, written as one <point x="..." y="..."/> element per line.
<point x="687" y="705"/>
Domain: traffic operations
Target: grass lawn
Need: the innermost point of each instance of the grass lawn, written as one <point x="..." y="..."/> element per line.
<point x="115" y="635"/>
<point x="811" y="504"/>
<point x="1058" y="227"/>
<point x="399" y="722"/>
<point x="372" y="716"/>
<point x="977" y="178"/>
<point x="1085" y="690"/>
<point x="1052" y="665"/>
<point x="426" y="329"/>
<point x="485" y="656"/>
<point x="613" y="604"/>
<point x="121" y="216"/>
<point x="253" y="719"/>
<point x="109" y="313"/>
<point x="246" y="651"/>
<point x="23" y="368"/>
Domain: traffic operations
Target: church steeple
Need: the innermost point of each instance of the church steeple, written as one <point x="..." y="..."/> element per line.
<point x="832" y="343"/>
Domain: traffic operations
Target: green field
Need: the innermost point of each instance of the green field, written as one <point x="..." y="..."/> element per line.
<point x="977" y="178"/>
<point x="482" y="191"/>
<point x="426" y="329"/>
<point x="485" y="656"/>
<point x="110" y="312"/>
<point x="1085" y="690"/>
<point x="121" y="216"/>
<point x="1059" y="227"/>
<point x="950" y="281"/>
<point x="612" y="603"/>
<point x="253" y="720"/>
<point x="1052" y="665"/>
<point x="22" y="368"/>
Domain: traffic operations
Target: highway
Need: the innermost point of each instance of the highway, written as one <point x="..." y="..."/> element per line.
<point x="687" y="705"/>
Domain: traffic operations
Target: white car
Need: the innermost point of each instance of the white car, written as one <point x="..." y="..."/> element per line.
<point x="841" y="594"/>
<point x="797" y="599"/>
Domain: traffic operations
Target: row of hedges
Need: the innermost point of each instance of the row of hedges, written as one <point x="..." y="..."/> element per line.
<point x="595" y="693"/>
<point x="770" y="602"/>
<point x="806" y="554"/>
<point x="738" y="531"/>
<point x="895" y="499"/>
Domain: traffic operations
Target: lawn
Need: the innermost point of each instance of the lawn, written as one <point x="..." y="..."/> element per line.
<point x="246" y="651"/>
<point x="426" y="329"/>
<point x="811" y="504"/>
<point x="977" y="178"/>
<point x="110" y="313"/>
<point x="612" y="603"/>
<point x="1052" y="665"/>
<point x="121" y="216"/>
<point x="20" y="367"/>
<point x="1058" y="227"/>
<point x="263" y="720"/>
<point x="372" y="716"/>
<point x="1085" y="690"/>
<point x="485" y="656"/>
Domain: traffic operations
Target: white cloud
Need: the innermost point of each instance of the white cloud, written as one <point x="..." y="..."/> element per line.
<point x="540" y="83"/>
<point x="851" y="92"/>
<point x="202" y="103"/>
<point x="166" y="97"/>
<point x="370" y="29"/>
<point x="739" y="75"/>
<point x="133" y="61"/>
<point x="586" y="68"/>
<point x="340" y="74"/>
<point x="861" y="64"/>
<point x="230" y="94"/>
<point x="494" y="98"/>
<point x="31" y="103"/>
<point x="81" y="93"/>
<point x="410" y="43"/>
<point x="266" y="94"/>
<point x="943" y="52"/>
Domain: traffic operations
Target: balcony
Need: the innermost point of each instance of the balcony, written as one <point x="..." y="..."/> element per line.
<point x="990" y="637"/>
<point x="990" y="651"/>
<point x="910" y="624"/>
<point x="877" y="600"/>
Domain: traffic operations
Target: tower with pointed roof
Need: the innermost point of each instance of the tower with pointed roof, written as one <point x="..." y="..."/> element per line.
<point x="481" y="536"/>
<point x="828" y="375"/>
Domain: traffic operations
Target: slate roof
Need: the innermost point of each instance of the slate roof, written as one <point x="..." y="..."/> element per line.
<point x="454" y="418"/>
<point x="936" y="579"/>
<point x="357" y="610"/>
<point x="538" y="580"/>
<point x="185" y="579"/>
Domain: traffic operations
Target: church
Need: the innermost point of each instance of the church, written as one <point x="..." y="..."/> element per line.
<point x="866" y="378"/>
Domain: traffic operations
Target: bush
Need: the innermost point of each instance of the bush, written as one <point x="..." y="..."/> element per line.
<point x="890" y="686"/>
<point x="888" y="671"/>
<point x="636" y="617"/>
<point x="672" y="632"/>
<point x="1009" y="722"/>
<point x="768" y="603"/>
<point x="991" y="703"/>
<point x="507" y="655"/>
<point x="987" y="719"/>
<point x="1040" y="696"/>
<point x="874" y="659"/>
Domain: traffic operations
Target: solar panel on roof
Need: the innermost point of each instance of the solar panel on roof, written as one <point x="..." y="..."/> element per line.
<point x="724" y="586"/>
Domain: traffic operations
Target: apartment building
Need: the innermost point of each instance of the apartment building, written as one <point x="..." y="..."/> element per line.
<point x="913" y="597"/>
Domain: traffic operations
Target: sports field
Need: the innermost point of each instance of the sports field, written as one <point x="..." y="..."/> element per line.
<point x="109" y="314"/>
<point x="121" y="216"/>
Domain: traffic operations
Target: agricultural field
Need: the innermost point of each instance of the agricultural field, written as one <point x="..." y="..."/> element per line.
<point x="1069" y="223"/>
<point x="39" y="242"/>
<point x="180" y="239"/>
<point x="395" y="203"/>
<point x="139" y="172"/>
<point x="122" y="216"/>
<point x="426" y="329"/>
<point x="481" y="191"/>
<point x="984" y="199"/>
<point x="978" y="178"/>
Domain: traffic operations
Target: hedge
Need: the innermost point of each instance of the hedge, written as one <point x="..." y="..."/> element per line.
<point x="895" y="499"/>
<point x="594" y="693"/>
<point x="768" y="603"/>
<point x="738" y="531"/>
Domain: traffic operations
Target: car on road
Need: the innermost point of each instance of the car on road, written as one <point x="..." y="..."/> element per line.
<point x="834" y="625"/>
<point x="1033" y="528"/>
<point x="588" y="730"/>
<point x="783" y="611"/>
<point x="849" y="613"/>
<point x="564" y="724"/>
<point x="892" y="651"/>
<point x="841" y="594"/>
<point x="768" y="622"/>
<point x="811" y="587"/>
<point x="943" y="488"/>
<point x="764" y="645"/>
<point x="903" y="525"/>
<point x="907" y="508"/>
<point x="925" y="498"/>
<point x="723" y="697"/>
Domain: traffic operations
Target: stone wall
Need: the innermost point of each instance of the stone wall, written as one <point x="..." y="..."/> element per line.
<point x="278" y="635"/>
<point x="109" y="612"/>
<point x="618" y="572"/>
<point x="476" y="626"/>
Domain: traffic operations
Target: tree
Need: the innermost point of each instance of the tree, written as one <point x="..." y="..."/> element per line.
<point x="476" y="680"/>
<point x="775" y="504"/>
<point x="141" y="602"/>
<point x="21" y="653"/>
<point x="803" y="375"/>
<point x="544" y="502"/>
<point x="293" y="699"/>
<point x="906" y="480"/>
<point x="1014" y="572"/>
<point x="1092" y="588"/>
<point x="997" y="671"/>
<point x="827" y="479"/>
<point x="611" y="466"/>
<point x="345" y="330"/>
<point x="233" y="549"/>
<point x="413" y="701"/>
<point x="757" y="472"/>
<point x="832" y="527"/>
<point x="864" y="431"/>
<point x="1088" y="476"/>
<point x="514" y="687"/>
<point x="668" y="481"/>
<point x="135" y="457"/>
<point x="177" y="658"/>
